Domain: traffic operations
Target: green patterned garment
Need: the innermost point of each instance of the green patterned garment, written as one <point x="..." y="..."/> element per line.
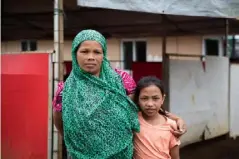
<point x="98" y="117"/>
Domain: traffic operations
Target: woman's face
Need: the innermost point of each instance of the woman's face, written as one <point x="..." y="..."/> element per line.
<point x="90" y="57"/>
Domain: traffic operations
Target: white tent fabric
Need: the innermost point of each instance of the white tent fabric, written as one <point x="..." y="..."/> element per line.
<point x="208" y="8"/>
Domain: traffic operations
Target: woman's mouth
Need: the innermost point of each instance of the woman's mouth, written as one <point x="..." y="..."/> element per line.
<point x="90" y="65"/>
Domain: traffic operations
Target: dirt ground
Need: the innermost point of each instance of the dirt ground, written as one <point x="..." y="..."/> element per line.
<point x="219" y="148"/>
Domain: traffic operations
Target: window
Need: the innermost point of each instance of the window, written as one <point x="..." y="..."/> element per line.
<point x="212" y="46"/>
<point x="140" y="51"/>
<point x="233" y="47"/>
<point x="236" y="48"/>
<point x="127" y="54"/>
<point x="133" y="51"/>
<point x="29" y="45"/>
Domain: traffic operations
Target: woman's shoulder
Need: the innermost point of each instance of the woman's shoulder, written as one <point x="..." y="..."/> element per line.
<point x="57" y="100"/>
<point x="60" y="87"/>
<point x="61" y="84"/>
<point x="122" y="73"/>
<point x="128" y="81"/>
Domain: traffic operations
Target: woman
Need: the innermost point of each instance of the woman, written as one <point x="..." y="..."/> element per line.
<point x="97" y="115"/>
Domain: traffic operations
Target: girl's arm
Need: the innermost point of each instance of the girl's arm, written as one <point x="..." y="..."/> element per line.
<point x="174" y="152"/>
<point x="174" y="145"/>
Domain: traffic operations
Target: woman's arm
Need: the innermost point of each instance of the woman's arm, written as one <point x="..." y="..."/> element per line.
<point x="57" y="119"/>
<point x="131" y="96"/>
<point x="172" y="116"/>
<point x="57" y="108"/>
<point x="174" y="152"/>
<point x="181" y="126"/>
<point x="180" y="122"/>
<point x="130" y="85"/>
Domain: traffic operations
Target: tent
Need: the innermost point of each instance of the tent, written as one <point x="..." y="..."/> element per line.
<point x="132" y="18"/>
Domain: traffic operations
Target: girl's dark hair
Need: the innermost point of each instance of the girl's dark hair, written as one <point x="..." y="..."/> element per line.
<point x="145" y="82"/>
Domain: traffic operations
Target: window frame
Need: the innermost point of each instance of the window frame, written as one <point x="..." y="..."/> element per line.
<point x="134" y="48"/>
<point x="220" y="49"/>
<point x="28" y="44"/>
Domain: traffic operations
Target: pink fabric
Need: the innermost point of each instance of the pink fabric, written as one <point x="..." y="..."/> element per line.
<point x="128" y="82"/>
<point x="57" y="100"/>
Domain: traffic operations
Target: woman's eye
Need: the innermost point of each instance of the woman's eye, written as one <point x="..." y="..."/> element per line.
<point x="98" y="52"/>
<point x="84" y="51"/>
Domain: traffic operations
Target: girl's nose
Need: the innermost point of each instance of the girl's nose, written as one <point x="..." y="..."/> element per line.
<point x="150" y="103"/>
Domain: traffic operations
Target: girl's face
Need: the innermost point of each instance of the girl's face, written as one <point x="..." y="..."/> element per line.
<point x="151" y="100"/>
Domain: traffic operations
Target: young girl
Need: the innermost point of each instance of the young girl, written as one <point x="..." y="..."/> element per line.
<point x="155" y="140"/>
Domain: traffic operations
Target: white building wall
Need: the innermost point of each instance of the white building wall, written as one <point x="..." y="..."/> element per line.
<point x="200" y="97"/>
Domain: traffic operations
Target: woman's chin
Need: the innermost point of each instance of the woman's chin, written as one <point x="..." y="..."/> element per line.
<point x="91" y="71"/>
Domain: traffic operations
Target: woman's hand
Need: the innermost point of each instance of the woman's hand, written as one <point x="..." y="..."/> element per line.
<point x="57" y="119"/>
<point x="181" y="128"/>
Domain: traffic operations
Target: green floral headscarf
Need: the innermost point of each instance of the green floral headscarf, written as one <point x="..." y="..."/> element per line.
<point x="98" y="117"/>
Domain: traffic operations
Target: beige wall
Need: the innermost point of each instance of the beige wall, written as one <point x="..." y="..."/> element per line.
<point x="180" y="45"/>
<point x="42" y="46"/>
<point x="191" y="45"/>
<point x="113" y="49"/>
<point x="10" y="46"/>
<point x="48" y="46"/>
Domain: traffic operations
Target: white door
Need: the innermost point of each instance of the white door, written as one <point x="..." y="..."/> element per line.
<point x="234" y="100"/>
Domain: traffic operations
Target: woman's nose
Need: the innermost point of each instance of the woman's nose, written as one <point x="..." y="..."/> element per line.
<point x="91" y="56"/>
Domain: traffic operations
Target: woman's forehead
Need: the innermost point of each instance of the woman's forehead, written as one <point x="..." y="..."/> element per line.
<point x="90" y="35"/>
<point x="90" y="43"/>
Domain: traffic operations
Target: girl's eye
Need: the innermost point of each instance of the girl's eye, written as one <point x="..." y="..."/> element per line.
<point x="144" y="98"/>
<point x="155" y="99"/>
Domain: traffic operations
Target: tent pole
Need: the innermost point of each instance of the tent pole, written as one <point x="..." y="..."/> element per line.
<point x="58" y="62"/>
<point x="226" y="38"/>
<point x="165" y="71"/>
